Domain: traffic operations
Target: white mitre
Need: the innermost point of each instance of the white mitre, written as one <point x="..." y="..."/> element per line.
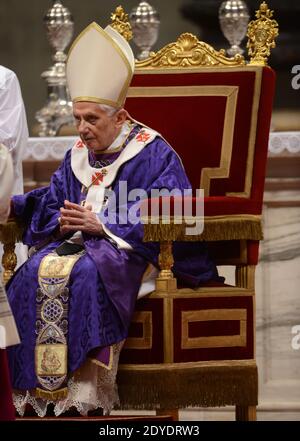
<point x="100" y="66"/>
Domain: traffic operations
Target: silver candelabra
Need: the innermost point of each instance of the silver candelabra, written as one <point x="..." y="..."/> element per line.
<point x="57" y="111"/>
<point x="234" y="18"/>
<point x="144" y="21"/>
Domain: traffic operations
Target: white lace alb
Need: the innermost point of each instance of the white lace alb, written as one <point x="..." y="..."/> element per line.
<point x="91" y="387"/>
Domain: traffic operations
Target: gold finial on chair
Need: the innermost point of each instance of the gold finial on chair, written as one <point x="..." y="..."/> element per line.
<point x="261" y="35"/>
<point x="120" y="22"/>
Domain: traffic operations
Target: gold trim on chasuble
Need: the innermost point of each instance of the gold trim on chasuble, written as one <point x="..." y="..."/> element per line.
<point x="231" y="93"/>
<point x="51" y="350"/>
<point x="110" y="362"/>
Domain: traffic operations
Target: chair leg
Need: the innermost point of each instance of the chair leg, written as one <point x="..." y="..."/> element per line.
<point x="245" y="413"/>
<point x="168" y="412"/>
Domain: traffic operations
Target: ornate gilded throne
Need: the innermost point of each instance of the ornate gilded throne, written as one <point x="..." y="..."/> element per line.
<point x="196" y="347"/>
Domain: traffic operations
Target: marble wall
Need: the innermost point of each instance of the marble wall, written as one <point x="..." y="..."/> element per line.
<point x="278" y="302"/>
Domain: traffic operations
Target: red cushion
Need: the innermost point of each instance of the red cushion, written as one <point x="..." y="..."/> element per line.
<point x="213" y="206"/>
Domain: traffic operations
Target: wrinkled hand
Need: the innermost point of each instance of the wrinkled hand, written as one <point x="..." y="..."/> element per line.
<point x="74" y="217"/>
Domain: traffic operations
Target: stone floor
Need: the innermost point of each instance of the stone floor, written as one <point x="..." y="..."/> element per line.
<point x="223" y="414"/>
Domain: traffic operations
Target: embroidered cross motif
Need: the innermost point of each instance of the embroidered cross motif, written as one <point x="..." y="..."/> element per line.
<point x="97" y="178"/>
<point x="79" y="144"/>
<point x="143" y="136"/>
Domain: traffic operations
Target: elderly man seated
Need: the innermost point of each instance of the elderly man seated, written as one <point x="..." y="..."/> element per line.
<point x="74" y="298"/>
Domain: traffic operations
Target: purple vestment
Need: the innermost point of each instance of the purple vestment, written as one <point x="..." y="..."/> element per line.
<point x="105" y="281"/>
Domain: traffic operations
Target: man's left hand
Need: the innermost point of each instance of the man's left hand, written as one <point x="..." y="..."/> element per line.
<point x="74" y="217"/>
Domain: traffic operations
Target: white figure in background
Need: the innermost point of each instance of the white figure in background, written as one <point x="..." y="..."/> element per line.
<point x="13" y="134"/>
<point x="8" y="331"/>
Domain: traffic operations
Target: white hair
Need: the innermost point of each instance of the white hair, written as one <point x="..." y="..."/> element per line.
<point x="109" y="110"/>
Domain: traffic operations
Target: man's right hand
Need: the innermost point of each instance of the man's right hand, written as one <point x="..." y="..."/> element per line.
<point x="74" y="218"/>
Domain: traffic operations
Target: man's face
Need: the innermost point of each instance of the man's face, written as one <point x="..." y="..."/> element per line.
<point x="96" y="129"/>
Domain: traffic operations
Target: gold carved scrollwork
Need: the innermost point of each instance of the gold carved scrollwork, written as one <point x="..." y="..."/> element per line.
<point x="166" y="260"/>
<point x="10" y="234"/>
<point x="120" y="22"/>
<point x="261" y="35"/>
<point x="188" y="51"/>
<point x="9" y="261"/>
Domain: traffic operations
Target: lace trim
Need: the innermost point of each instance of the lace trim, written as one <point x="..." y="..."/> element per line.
<point x="91" y="387"/>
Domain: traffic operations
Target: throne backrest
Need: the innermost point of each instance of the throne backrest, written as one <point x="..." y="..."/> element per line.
<point x="215" y="112"/>
<point x="217" y="118"/>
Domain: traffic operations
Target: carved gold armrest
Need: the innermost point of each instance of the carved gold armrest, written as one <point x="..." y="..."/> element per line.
<point x="164" y="234"/>
<point x="10" y="234"/>
<point x="216" y="228"/>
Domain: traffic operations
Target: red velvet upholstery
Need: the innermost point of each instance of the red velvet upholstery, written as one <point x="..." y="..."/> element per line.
<point x="155" y="353"/>
<point x="228" y="326"/>
<point x="194" y="123"/>
<point x="7" y="410"/>
<point x="210" y="328"/>
<point x="213" y="205"/>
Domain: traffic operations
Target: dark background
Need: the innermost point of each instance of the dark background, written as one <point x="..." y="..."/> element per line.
<point x="24" y="47"/>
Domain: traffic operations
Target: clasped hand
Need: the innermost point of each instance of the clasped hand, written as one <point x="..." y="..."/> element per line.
<point x="74" y="217"/>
